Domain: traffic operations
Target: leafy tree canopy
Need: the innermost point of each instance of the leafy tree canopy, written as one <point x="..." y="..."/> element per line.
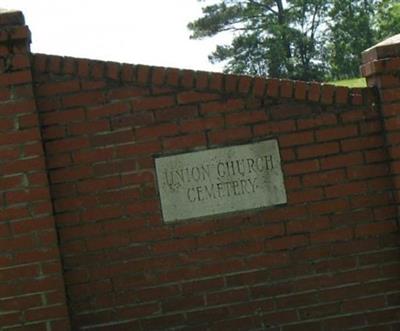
<point x="298" y="39"/>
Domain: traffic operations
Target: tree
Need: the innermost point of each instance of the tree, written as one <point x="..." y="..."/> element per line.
<point x="274" y="37"/>
<point x="351" y="31"/>
<point x="297" y="39"/>
<point x="388" y="19"/>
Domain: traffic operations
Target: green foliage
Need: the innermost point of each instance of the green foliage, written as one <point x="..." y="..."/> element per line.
<point x="274" y="37"/>
<point x="388" y="19"/>
<point x="297" y="39"/>
<point x="351" y="32"/>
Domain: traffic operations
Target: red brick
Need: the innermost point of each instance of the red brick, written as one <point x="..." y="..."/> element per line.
<point x="14" y="78"/>
<point x="266" y="231"/>
<point x="341" y="234"/>
<point x="365" y="171"/>
<point x="299" y="138"/>
<point x="54" y="88"/>
<point x="112" y="70"/>
<point x="24" y="165"/>
<point x="19" y="137"/>
<point x="103" y="213"/>
<point x="286" y="88"/>
<point x="222" y="106"/>
<point x="149" y="103"/>
<point x="15" y="107"/>
<point x="300" y="90"/>
<point x="97" y="69"/>
<point x="172" y="76"/>
<point x="187" y="80"/>
<point x="356" y="96"/>
<point x="88" y="127"/>
<point x="329" y="206"/>
<point x="231" y="83"/>
<point x="195" y="97"/>
<point x="70" y="174"/>
<point x="10" y="153"/>
<point x="66" y="145"/>
<point x="186" y="141"/>
<point x="273" y="87"/>
<point x="83" y="67"/>
<point x="216" y="81"/>
<point x="307" y="226"/>
<point x="284" y="243"/>
<point x="69" y="65"/>
<point x="355" y="115"/>
<point x="342" y="95"/>
<point x="202" y="124"/>
<point x="220" y="239"/>
<point x="390" y="95"/>
<point x="136" y="119"/>
<point x="289" y="111"/>
<point x="362" y="143"/>
<point x="327" y="94"/>
<point x="112" y="138"/>
<point x="158" y="75"/>
<point x="341" y="161"/>
<point x="317" y="150"/>
<point x="126" y="92"/>
<point x="83" y="99"/>
<point x="14" y="197"/>
<point x="161" y="130"/>
<point x="303" y="167"/>
<point x="251" y="117"/>
<point x="229" y="135"/>
<point x="63" y="117"/>
<point x="154" y="323"/>
<point x="138" y="149"/>
<point x="259" y="86"/>
<point x="274" y="127"/>
<point x="317" y="121"/>
<point x="277" y="317"/>
<point x="346" y="189"/>
<point x="54" y="65"/>
<point x="374" y="229"/>
<point x="244" y="84"/>
<point x="143" y="74"/>
<point x="314" y="92"/>
<point x="305" y="195"/>
<point x="337" y="133"/>
<point x="146" y="206"/>
<point x="127" y="72"/>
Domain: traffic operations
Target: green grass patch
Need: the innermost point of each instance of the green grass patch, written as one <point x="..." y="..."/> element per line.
<point x="354" y="82"/>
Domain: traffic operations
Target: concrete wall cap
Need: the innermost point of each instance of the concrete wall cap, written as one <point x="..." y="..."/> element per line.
<point x="385" y="49"/>
<point x="9" y="17"/>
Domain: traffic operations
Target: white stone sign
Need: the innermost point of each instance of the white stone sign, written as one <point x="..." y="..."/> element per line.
<point x="220" y="180"/>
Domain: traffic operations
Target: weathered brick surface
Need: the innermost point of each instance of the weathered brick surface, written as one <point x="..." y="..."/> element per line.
<point x="32" y="295"/>
<point x="327" y="260"/>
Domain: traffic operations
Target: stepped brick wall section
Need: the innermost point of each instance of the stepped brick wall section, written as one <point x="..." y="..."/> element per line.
<point x="326" y="260"/>
<point x="32" y="295"/>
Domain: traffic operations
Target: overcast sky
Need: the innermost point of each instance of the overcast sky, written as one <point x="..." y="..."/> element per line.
<point x="151" y="32"/>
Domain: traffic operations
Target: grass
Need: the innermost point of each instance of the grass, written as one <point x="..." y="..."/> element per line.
<point x="354" y="82"/>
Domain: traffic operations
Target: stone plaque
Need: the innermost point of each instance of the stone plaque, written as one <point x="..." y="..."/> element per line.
<point x="220" y="180"/>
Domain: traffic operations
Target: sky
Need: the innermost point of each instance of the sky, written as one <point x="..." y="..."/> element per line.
<point x="151" y="32"/>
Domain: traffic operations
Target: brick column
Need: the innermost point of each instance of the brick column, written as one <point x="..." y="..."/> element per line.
<point x="32" y="295"/>
<point x="381" y="67"/>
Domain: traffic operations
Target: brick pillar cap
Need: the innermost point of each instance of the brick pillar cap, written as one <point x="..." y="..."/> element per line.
<point x="11" y="17"/>
<point x="388" y="48"/>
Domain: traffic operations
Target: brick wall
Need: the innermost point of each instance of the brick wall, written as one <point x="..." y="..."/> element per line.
<point x="32" y="293"/>
<point x="327" y="260"/>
